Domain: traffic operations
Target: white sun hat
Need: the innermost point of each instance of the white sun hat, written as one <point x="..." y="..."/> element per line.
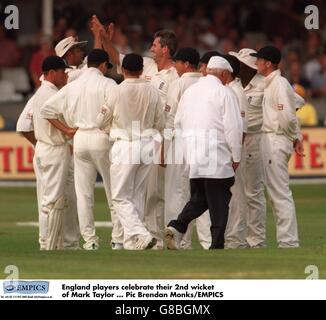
<point x="66" y="44"/>
<point x="244" y="56"/>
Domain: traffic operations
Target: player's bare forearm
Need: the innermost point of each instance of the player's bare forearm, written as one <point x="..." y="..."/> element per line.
<point x="97" y="42"/>
<point x="69" y="132"/>
<point x="30" y="136"/>
<point x="105" y="36"/>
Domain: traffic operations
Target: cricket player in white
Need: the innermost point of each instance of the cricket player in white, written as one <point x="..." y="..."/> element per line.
<point x="281" y="135"/>
<point x="26" y="128"/>
<point x="52" y="153"/>
<point x="236" y="230"/>
<point x="177" y="187"/>
<point x="70" y="50"/>
<point x="80" y="103"/>
<point x="249" y="227"/>
<point x="71" y="232"/>
<point x="254" y="216"/>
<point x="160" y="71"/>
<point x="135" y="110"/>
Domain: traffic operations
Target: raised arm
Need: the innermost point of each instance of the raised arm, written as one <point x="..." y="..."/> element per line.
<point x="105" y="36"/>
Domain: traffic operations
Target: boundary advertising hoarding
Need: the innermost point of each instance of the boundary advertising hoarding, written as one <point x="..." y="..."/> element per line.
<point x="16" y="156"/>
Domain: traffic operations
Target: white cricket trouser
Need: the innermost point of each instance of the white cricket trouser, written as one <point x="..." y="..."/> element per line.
<point x="71" y="232"/>
<point x="236" y="229"/>
<point x="254" y="189"/>
<point x="155" y="202"/>
<point x="53" y="163"/>
<point x="91" y="156"/>
<point x="277" y="151"/>
<point x="177" y="194"/>
<point x="128" y="183"/>
<point x="42" y="218"/>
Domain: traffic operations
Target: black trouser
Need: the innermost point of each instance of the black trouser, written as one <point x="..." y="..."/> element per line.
<point x="211" y="194"/>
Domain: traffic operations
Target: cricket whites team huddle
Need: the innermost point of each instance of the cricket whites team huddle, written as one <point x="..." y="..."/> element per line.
<point x="183" y="142"/>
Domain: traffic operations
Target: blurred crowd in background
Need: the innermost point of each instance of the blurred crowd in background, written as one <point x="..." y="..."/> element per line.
<point x="225" y="25"/>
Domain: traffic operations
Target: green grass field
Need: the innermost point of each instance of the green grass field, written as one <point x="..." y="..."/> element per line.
<point x="18" y="246"/>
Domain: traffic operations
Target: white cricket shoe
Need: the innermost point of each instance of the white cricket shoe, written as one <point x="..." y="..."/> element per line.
<point x="116" y="246"/>
<point x="145" y="242"/>
<point x="172" y="238"/>
<point x="159" y="245"/>
<point x="91" y="246"/>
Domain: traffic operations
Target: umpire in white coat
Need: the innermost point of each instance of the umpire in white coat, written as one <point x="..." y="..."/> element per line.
<point x="209" y="117"/>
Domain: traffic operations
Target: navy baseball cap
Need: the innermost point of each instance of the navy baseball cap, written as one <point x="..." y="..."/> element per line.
<point x="206" y="56"/>
<point x="190" y="55"/>
<point x="269" y="53"/>
<point x="53" y="63"/>
<point x="133" y="62"/>
<point x="99" y="56"/>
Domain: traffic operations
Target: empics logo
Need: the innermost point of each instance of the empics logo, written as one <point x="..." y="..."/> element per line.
<point x="14" y="285"/>
<point x="26" y="287"/>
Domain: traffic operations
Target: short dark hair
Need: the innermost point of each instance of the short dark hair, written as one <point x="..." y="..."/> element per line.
<point x="168" y="39"/>
<point x="207" y="55"/>
<point x="93" y="64"/>
<point x="96" y="57"/>
<point x="235" y="64"/>
<point x="133" y="62"/>
<point x="133" y="73"/>
<point x="189" y="55"/>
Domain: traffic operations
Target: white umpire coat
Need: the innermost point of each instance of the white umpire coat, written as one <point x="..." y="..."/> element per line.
<point x="209" y="117"/>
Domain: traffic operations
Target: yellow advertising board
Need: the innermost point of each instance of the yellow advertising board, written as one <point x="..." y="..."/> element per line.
<point x="314" y="163"/>
<point x="16" y="156"/>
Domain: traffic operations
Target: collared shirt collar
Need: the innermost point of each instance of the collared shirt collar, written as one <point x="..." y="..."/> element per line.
<point x="235" y="81"/>
<point x="271" y="76"/>
<point x="134" y="80"/>
<point x="211" y="77"/>
<point x="192" y="74"/>
<point x="163" y="71"/>
<point x="71" y="67"/>
<point x="92" y="69"/>
<point x="49" y="84"/>
<point x="255" y="82"/>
